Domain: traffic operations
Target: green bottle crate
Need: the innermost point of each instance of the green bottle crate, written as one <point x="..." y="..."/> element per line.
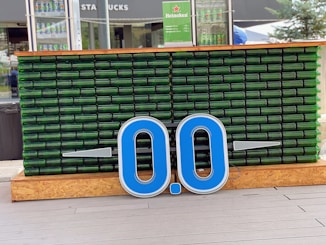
<point x="294" y="50"/>
<point x="87" y="57"/>
<point x="161" y="115"/>
<point x="68" y="74"/>
<point x="86" y="74"/>
<point x="125" y="73"/>
<point x="28" y="76"/>
<point x="253" y="60"/>
<point x="306" y="74"/>
<point x="89" y="109"/>
<point x="268" y="59"/>
<point x="158" y="80"/>
<point x="121" y="65"/>
<point x="238" y="53"/>
<point x="215" y="62"/>
<point x="29" y="59"/>
<point x="159" y="98"/>
<point x="31" y="171"/>
<point x="145" y="90"/>
<point x="88" y="92"/>
<point x="68" y="162"/>
<point x="234" y="78"/>
<point x="49" y="154"/>
<point x="43" y="67"/>
<point x="34" y="163"/>
<point x="219" y="70"/>
<point x="52" y="127"/>
<point x="87" y="135"/>
<point x="71" y="127"/>
<point x="102" y="65"/>
<point x="68" y="136"/>
<point x="126" y="56"/>
<point x="27" y="112"/>
<point x="220" y="53"/>
<point x="256" y="68"/>
<point x="72" y="143"/>
<point x="257" y="52"/>
<point x="29" y="137"/>
<point x="87" y="169"/>
<point x="106" y="73"/>
<point x="183" y="72"/>
<point x="274" y="67"/>
<point x="162" y="72"/>
<point x="275" y="51"/>
<point x="143" y="72"/>
<point x="51" y="111"/>
<point x="51" y="171"/>
<point x="67" y="58"/>
<point x="197" y="62"/>
<point x="238" y="69"/>
<point x="270" y="76"/>
<point x="30" y="155"/>
<point x="290" y="58"/>
<point x="102" y="82"/>
<point x="159" y="63"/>
<point x="106" y="134"/>
<point x="31" y="147"/>
<point x="254" y="77"/>
<point x="69" y="169"/>
<point x="83" y="83"/>
<point x="182" y="55"/>
<point x="64" y="66"/>
<point x="83" y="118"/>
<point x="139" y="64"/>
<point x="106" y="57"/>
<point x="143" y="56"/>
<point x="307" y="158"/>
<point x="46" y="137"/>
<point x="201" y="71"/>
<point x="311" y="49"/>
<point x="107" y="168"/>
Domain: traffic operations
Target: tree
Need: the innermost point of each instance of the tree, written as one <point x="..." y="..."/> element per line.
<point x="304" y="19"/>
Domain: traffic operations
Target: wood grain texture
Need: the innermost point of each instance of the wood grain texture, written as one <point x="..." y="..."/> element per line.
<point x="175" y="49"/>
<point x="24" y="188"/>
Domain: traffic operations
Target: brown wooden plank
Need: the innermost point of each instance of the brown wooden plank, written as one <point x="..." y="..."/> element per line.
<point x="24" y="188"/>
<point x="175" y="49"/>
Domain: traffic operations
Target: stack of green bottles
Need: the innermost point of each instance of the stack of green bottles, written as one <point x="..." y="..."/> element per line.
<point x="79" y="102"/>
<point x="259" y="95"/>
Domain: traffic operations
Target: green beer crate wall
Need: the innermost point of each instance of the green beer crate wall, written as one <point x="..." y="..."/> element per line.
<point x="79" y="102"/>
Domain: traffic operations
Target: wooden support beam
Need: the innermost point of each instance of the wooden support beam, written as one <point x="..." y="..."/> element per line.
<point x="24" y="188"/>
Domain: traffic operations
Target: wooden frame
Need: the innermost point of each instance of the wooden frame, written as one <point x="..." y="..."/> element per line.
<point x="24" y="188"/>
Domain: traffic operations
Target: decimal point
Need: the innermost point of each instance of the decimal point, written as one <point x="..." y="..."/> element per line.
<point x="175" y="188"/>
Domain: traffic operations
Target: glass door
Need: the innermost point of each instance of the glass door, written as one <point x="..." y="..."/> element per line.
<point x="212" y="22"/>
<point x="50" y="25"/>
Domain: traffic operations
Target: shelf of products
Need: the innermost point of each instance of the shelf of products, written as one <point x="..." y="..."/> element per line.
<point x="212" y="22"/>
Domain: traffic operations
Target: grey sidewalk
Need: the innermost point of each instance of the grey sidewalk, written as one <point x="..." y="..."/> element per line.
<point x="265" y="216"/>
<point x="9" y="169"/>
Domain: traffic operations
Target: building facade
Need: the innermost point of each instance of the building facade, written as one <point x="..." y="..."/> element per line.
<point x="132" y="23"/>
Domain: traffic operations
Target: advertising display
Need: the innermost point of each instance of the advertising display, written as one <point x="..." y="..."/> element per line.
<point x="213" y="22"/>
<point x="53" y="25"/>
<point x="170" y="111"/>
<point x="177" y="23"/>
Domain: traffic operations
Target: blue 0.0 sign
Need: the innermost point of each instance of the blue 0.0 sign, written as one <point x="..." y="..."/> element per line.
<point x="161" y="156"/>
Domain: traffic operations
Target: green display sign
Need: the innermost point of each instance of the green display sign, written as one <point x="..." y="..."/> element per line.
<point x="177" y="23"/>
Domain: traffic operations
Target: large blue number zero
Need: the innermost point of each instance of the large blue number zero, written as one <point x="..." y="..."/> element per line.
<point x="128" y="157"/>
<point x="186" y="154"/>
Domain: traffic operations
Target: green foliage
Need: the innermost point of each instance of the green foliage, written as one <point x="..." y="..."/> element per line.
<point x="305" y="19"/>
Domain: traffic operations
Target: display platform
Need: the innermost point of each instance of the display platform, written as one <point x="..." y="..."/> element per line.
<point x="25" y="188"/>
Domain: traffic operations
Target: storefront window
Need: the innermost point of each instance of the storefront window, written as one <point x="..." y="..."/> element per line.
<point x="136" y="35"/>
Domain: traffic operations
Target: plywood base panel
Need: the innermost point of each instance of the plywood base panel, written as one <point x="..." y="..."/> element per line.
<point x="24" y="188"/>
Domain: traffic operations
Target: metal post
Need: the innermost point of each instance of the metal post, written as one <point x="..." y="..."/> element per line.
<point x="104" y="29"/>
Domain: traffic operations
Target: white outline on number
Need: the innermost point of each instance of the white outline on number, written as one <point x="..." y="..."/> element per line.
<point x="167" y="153"/>
<point x="192" y="165"/>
